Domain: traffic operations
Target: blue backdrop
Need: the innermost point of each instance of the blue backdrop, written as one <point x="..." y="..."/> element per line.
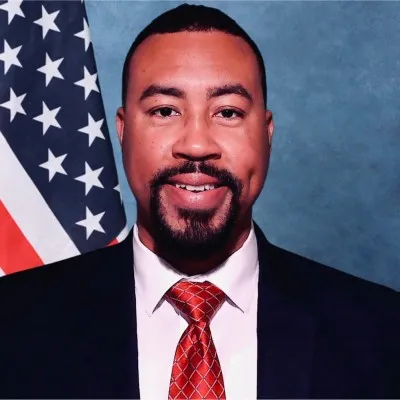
<point x="333" y="72"/>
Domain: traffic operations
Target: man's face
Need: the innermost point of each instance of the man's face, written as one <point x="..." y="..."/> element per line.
<point x="194" y="136"/>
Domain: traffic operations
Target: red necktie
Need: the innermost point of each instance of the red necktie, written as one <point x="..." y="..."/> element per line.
<point x="196" y="372"/>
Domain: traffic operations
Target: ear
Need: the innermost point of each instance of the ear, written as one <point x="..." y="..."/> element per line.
<point x="120" y="123"/>
<point x="269" y="123"/>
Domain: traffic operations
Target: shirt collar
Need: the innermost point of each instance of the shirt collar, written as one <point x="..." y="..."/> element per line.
<point x="237" y="276"/>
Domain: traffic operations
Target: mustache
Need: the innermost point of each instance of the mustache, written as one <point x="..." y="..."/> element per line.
<point x="225" y="177"/>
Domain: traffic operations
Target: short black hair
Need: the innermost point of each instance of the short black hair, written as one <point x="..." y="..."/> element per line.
<point x="193" y="18"/>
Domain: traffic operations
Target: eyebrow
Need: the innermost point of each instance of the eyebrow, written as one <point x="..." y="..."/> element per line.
<point x="154" y="90"/>
<point x="217" y="91"/>
<point x="236" y="88"/>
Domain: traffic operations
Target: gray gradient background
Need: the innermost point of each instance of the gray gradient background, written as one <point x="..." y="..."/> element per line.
<point x="333" y="72"/>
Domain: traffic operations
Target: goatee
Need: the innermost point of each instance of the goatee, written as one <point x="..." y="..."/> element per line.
<point x="200" y="239"/>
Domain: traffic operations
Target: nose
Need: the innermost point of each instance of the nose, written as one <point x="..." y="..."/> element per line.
<point x="196" y="141"/>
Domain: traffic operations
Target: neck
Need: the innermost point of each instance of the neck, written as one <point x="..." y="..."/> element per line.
<point x="191" y="267"/>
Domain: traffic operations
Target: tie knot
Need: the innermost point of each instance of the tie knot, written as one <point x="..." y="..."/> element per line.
<point x="196" y="301"/>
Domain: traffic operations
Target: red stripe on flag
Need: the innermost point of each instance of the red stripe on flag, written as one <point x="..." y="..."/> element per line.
<point x="16" y="253"/>
<point x="114" y="241"/>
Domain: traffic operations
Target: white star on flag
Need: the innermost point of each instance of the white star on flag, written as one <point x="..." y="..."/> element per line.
<point x="13" y="8"/>
<point x="14" y="104"/>
<point x="118" y="189"/>
<point x="47" y="22"/>
<point x="90" y="178"/>
<point x="53" y="165"/>
<point x="88" y="82"/>
<point x="93" y="129"/>
<point x="9" y="56"/>
<point x="91" y="223"/>
<point x="50" y="69"/>
<point x="48" y="117"/>
<point x="84" y="34"/>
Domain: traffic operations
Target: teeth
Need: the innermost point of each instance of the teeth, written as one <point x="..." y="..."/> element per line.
<point x="192" y="188"/>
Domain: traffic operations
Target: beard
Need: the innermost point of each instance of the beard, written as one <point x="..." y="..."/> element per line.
<point x="202" y="236"/>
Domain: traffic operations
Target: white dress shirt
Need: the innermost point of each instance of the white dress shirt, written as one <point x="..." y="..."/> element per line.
<point x="233" y="328"/>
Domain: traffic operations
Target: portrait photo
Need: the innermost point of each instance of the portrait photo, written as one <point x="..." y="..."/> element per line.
<point x="199" y="200"/>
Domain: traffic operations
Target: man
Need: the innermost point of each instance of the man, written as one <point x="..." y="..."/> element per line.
<point x="196" y="303"/>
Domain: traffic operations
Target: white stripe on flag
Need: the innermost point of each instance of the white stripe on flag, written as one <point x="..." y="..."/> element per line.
<point x="30" y="211"/>
<point x="1" y="272"/>
<point x="123" y="234"/>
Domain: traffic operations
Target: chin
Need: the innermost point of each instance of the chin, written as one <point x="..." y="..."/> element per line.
<point x="181" y="219"/>
<point x="195" y="234"/>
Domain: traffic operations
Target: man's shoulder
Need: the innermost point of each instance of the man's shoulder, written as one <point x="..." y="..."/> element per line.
<point x="355" y="323"/>
<point x="68" y="321"/>
<point x="320" y="284"/>
<point x="106" y="265"/>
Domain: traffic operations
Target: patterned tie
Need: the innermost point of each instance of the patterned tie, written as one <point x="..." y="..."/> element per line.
<point x="196" y="372"/>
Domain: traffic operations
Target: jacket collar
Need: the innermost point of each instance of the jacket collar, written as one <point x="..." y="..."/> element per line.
<point x="285" y="328"/>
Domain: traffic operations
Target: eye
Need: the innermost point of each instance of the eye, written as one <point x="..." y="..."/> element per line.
<point x="229" y="113"/>
<point x="164" y="112"/>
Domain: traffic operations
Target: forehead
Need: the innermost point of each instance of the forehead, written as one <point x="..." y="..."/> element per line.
<point x="197" y="59"/>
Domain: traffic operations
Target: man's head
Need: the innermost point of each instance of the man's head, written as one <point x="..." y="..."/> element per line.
<point x="193" y="18"/>
<point x="195" y="132"/>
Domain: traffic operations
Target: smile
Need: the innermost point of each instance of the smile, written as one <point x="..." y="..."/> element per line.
<point x="195" y="189"/>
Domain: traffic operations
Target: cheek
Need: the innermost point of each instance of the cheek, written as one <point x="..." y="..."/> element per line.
<point x="247" y="166"/>
<point x="255" y="169"/>
<point x="249" y="159"/>
<point x="138" y="159"/>
<point x="143" y="155"/>
<point x="258" y="168"/>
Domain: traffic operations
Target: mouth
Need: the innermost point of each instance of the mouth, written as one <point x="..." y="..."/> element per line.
<point x="195" y="182"/>
<point x="196" y="188"/>
<point x="196" y="191"/>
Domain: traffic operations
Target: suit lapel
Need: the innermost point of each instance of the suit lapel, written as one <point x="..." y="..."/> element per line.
<point x="131" y="372"/>
<point x="285" y="330"/>
<point x="121" y="304"/>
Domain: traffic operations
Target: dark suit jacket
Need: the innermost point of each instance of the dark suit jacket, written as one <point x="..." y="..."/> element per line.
<point x="68" y="330"/>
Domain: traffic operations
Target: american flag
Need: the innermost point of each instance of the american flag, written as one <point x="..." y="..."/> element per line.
<point x="59" y="192"/>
